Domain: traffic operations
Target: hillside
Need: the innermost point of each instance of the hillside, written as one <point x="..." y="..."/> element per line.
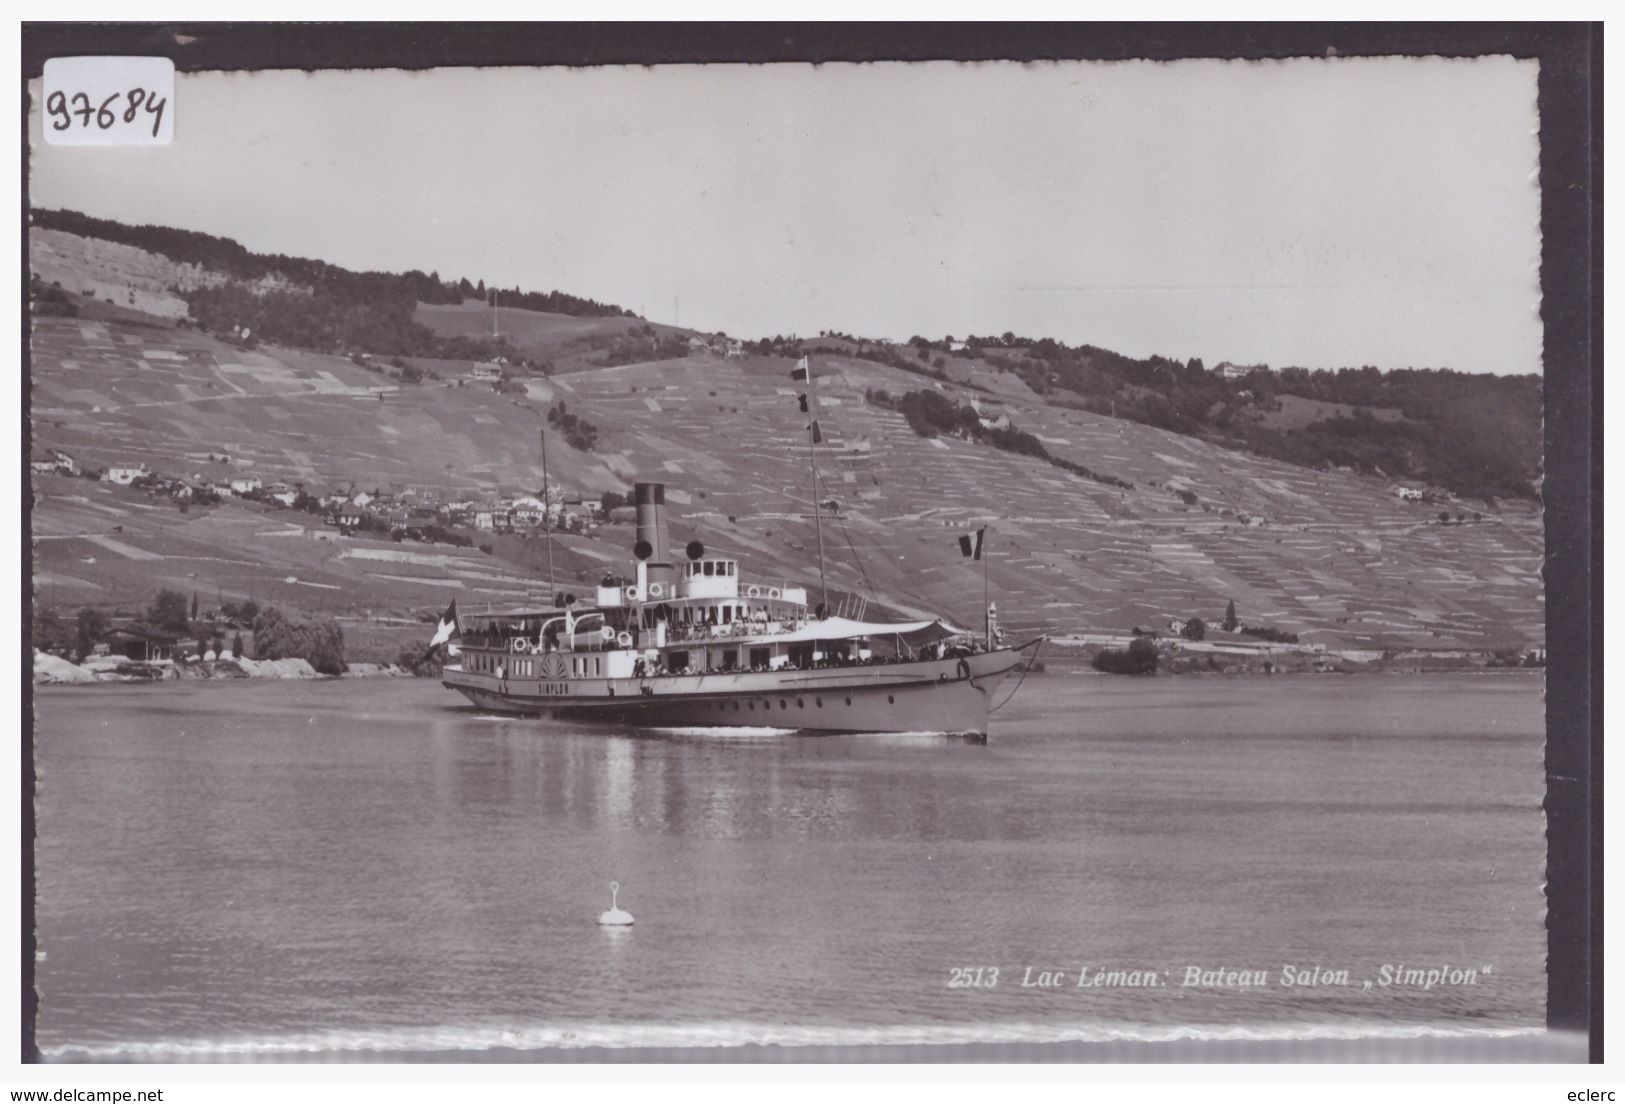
<point x="1332" y="555"/>
<point x="1473" y="435"/>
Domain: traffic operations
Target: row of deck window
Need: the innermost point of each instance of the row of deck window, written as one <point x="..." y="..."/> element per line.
<point x="709" y="567"/>
<point x="581" y="666"/>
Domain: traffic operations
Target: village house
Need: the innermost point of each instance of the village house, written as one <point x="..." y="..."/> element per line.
<point x="527" y="512"/>
<point x="141" y="644"/>
<point x="1000" y="421"/>
<point x="46" y="461"/>
<point x="125" y="474"/>
<point x="285" y="497"/>
<point x="486" y="373"/>
<point x="1408" y="494"/>
<point x="244" y="484"/>
<point x="736" y="349"/>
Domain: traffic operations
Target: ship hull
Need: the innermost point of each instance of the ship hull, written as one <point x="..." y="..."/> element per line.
<point x="953" y="695"/>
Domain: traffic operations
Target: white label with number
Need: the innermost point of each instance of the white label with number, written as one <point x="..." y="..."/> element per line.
<point x="109" y="101"/>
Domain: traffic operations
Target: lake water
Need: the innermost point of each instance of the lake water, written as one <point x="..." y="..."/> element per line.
<point x="340" y="868"/>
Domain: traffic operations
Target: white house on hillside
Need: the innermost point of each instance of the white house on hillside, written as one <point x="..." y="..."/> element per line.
<point x="125" y="474"/>
<point x="49" y="460"/>
<point x="526" y="512"/>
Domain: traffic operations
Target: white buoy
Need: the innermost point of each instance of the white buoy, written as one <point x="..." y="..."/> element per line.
<point x="616" y="917"/>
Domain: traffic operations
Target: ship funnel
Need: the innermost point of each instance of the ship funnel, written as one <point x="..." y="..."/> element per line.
<point x="650" y="500"/>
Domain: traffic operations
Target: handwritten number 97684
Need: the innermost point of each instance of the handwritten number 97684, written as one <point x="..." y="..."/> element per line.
<point x="130" y="105"/>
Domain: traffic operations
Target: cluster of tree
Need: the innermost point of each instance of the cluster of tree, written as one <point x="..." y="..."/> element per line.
<point x="637" y="346"/>
<point x="320" y="643"/>
<point x="432" y="534"/>
<point x="409" y="372"/>
<point x="334" y="320"/>
<point x="170" y="611"/>
<point x="778" y="345"/>
<point x="931" y="414"/>
<point x="1139" y="658"/>
<point x="581" y="434"/>
<point x="50" y="298"/>
<point x="1516" y="657"/>
<point x="555" y="302"/>
<point x="243" y="612"/>
<point x="1265" y="632"/>
<point x="50" y="633"/>
<point x="614" y="500"/>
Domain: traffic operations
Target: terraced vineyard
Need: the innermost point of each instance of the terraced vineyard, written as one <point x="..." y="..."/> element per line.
<point x="1333" y="556"/>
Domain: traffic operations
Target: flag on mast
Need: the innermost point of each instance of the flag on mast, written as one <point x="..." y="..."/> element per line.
<point x="802" y="371"/>
<point x="817" y="436"/>
<point x="970" y="544"/>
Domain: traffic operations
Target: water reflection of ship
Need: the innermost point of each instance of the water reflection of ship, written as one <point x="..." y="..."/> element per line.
<point x="694" y="644"/>
<point x="667" y="781"/>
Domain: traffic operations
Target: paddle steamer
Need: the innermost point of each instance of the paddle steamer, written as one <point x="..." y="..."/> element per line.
<point x="693" y="643"/>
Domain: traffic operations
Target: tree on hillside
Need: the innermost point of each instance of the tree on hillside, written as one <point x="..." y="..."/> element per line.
<point x="50" y="634"/>
<point x="1195" y="629"/>
<point x="90" y="624"/>
<point x="1230" y="621"/>
<point x="194" y="605"/>
<point x="168" y="611"/>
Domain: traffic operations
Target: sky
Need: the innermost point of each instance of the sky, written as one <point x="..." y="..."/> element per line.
<point x="1322" y="213"/>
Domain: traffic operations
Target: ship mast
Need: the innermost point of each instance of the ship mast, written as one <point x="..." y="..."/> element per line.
<point x="987" y="610"/>
<point x="812" y="457"/>
<point x="547" y="519"/>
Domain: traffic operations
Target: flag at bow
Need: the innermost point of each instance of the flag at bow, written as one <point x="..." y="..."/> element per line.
<point x="970" y="544"/>
<point x="802" y="371"/>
